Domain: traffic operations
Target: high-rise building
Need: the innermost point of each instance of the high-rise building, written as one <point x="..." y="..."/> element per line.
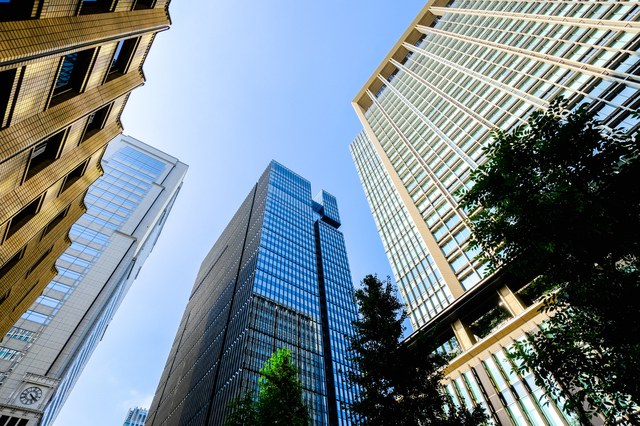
<point x="462" y="69"/>
<point x="66" y="70"/>
<point x="42" y="356"/>
<point x="135" y="417"/>
<point x="278" y="276"/>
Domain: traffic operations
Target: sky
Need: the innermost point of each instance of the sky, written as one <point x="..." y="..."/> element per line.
<point x="231" y="86"/>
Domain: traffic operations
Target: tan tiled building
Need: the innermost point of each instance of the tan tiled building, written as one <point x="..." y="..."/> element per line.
<point x="66" y="70"/>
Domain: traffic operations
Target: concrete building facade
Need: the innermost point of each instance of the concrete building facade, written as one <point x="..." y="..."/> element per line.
<point x="462" y="69"/>
<point x="278" y="276"/>
<point x="44" y="353"/>
<point x="66" y="70"/>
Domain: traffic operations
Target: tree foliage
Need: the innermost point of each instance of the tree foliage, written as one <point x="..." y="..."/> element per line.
<point x="243" y="411"/>
<point x="558" y="202"/>
<point x="279" y="400"/>
<point x="398" y="384"/>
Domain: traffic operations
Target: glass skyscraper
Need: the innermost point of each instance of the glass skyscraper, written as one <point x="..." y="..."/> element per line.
<point x="459" y="72"/>
<point x="278" y="276"/>
<point x="43" y="355"/>
<point x="135" y="417"/>
<point x="462" y="69"/>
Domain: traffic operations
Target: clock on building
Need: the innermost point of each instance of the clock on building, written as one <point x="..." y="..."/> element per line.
<point x="30" y="395"/>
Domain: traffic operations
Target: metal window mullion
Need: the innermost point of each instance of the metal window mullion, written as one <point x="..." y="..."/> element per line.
<point x="591" y="70"/>
<point x="450" y="143"/>
<point x="526" y="99"/>
<point x="629" y="26"/>
<point x="612" y="49"/>
<point x="433" y="177"/>
<point x="435" y="89"/>
<point x="523" y="96"/>
<point x="433" y="127"/>
<point x="558" y="85"/>
<point x="391" y="216"/>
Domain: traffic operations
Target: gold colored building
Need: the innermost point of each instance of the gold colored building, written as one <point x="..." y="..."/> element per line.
<point x="461" y="69"/>
<point x="66" y="70"/>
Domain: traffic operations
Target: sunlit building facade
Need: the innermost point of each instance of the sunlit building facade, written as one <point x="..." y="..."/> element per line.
<point x="44" y="353"/>
<point x="277" y="277"/>
<point x="67" y="68"/>
<point x="462" y="69"/>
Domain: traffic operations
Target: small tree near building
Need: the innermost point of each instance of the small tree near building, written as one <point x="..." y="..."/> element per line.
<point x="398" y="384"/>
<point x="279" y="401"/>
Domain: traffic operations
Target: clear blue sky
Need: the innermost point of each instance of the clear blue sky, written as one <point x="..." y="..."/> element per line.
<point x="229" y="87"/>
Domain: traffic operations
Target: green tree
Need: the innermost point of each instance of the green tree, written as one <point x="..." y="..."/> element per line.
<point x="398" y="384"/>
<point x="557" y="202"/>
<point x="279" y="400"/>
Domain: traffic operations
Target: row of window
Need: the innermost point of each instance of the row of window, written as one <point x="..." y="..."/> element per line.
<point x="446" y="161"/>
<point x="73" y="264"/>
<point x="421" y="284"/>
<point x="30" y="210"/>
<point x="21" y="334"/>
<point x="19" y="10"/>
<point x="525" y="402"/>
<point x="595" y="10"/>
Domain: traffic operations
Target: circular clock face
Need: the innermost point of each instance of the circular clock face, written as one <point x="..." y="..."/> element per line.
<point x="30" y="395"/>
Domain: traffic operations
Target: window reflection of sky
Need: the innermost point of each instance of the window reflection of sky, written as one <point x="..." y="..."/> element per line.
<point x="109" y="205"/>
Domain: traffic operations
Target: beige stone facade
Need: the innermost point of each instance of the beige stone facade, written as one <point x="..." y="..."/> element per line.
<point x="461" y="70"/>
<point x="66" y="70"/>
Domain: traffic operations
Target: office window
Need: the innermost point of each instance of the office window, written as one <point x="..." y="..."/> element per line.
<point x="18" y="10"/>
<point x="73" y="177"/>
<point x="14" y="421"/>
<point x="48" y="301"/>
<point x="23" y="216"/>
<point x="5" y="296"/>
<point x="6" y="86"/>
<point x="39" y="261"/>
<point x="20" y="334"/>
<point x="145" y="4"/>
<point x="71" y="78"/>
<point x="116" y="55"/>
<point x="35" y="317"/>
<point x="68" y="64"/>
<point x="43" y="154"/>
<point x="10" y="264"/>
<point x="90" y="7"/>
<point x="122" y="57"/>
<point x="8" y="354"/>
<point x="55" y="222"/>
<point x="96" y="122"/>
<point x="63" y="288"/>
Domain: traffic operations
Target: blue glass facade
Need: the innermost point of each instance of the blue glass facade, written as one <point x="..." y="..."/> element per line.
<point x="135" y="417"/>
<point x="110" y="201"/>
<point x="278" y="276"/>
